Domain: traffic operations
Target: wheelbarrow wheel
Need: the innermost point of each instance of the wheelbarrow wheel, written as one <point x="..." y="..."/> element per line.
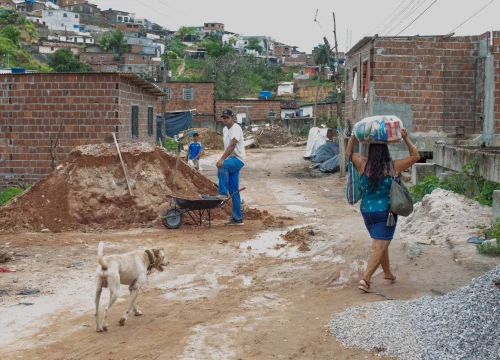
<point x="172" y="219"/>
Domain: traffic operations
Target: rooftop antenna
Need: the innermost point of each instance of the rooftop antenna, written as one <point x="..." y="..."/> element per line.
<point x="316" y="16"/>
<point x="316" y="20"/>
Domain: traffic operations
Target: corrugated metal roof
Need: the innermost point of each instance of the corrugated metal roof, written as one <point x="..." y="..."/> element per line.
<point x="137" y="80"/>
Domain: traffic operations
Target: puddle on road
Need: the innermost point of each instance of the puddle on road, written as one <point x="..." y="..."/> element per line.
<point x="271" y="244"/>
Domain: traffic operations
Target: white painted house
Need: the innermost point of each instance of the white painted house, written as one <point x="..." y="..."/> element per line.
<point x="59" y="20"/>
<point x="81" y="38"/>
<point x="285" y="88"/>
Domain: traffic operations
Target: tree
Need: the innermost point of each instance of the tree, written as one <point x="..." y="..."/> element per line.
<point x="11" y="33"/>
<point x="114" y="41"/>
<point x="254" y="44"/>
<point x="232" y="74"/>
<point x="320" y="55"/>
<point x="184" y="32"/>
<point x="63" y="60"/>
<point x="215" y="47"/>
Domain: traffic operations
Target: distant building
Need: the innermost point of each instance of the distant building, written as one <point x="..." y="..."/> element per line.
<point x="83" y="38"/>
<point x="213" y="28"/>
<point x="59" y="20"/>
<point x="285" y="88"/>
<point x="50" y="47"/>
<point x="82" y="7"/>
<point x="118" y="16"/>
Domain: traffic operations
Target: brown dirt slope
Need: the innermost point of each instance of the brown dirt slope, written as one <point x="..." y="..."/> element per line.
<point x="89" y="190"/>
<point x="210" y="140"/>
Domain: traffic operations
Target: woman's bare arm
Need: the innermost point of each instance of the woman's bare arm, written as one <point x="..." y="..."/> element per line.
<point x="358" y="161"/>
<point x="403" y="164"/>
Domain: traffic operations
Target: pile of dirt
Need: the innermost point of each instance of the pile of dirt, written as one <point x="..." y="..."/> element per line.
<point x="210" y="140"/>
<point x="300" y="236"/>
<point x="267" y="136"/>
<point x="89" y="191"/>
<point x="444" y="217"/>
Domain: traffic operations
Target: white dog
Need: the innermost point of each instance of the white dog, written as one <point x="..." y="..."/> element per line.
<point x="128" y="269"/>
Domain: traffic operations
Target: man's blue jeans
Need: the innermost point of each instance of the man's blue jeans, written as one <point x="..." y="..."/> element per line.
<point x="229" y="182"/>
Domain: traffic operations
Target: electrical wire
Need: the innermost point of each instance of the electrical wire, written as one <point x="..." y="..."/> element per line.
<point x="418" y="17"/>
<point x="472" y="16"/>
<point x="149" y="7"/>
<point x="412" y="11"/>
<point x="397" y="16"/>
<point x="387" y="18"/>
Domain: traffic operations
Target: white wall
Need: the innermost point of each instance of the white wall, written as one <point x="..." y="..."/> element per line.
<point x="61" y="20"/>
<point x="307" y="110"/>
<point x="42" y="49"/>
<point x="286" y="88"/>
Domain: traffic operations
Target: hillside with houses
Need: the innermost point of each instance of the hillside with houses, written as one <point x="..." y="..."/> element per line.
<point x="115" y="40"/>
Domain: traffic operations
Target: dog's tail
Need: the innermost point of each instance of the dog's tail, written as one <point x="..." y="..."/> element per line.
<point x="100" y="254"/>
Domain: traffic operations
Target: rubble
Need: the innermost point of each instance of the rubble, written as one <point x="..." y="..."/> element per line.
<point x="210" y="140"/>
<point x="267" y="136"/>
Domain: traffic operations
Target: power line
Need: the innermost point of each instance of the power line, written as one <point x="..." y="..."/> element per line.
<point x="412" y="11"/>
<point x="418" y="17"/>
<point x="149" y="7"/>
<point x="472" y="16"/>
<point x="397" y="16"/>
<point x="387" y="18"/>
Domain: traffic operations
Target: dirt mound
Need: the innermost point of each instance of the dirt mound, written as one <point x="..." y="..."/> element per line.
<point x="444" y="217"/>
<point x="268" y="136"/>
<point x="89" y="190"/>
<point x="210" y="140"/>
<point x="300" y="236"/>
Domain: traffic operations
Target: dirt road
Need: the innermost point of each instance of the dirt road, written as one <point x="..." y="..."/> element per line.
<point x="228" y="293"/>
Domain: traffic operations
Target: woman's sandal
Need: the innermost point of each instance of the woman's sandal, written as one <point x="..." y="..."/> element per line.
<point x="390" y="280"/>
<point x="364" y="285"/>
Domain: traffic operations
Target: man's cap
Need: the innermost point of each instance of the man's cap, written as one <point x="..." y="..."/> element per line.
<point x="191" y="133"/>
<point x="227" y="112"/>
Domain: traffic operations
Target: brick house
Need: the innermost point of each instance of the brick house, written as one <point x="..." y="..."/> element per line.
<point x="433" y="83"/>
<point x="34" y="105"/>
<point x="257" y="109"/>
<point x="188" y="96"/>
<point x="213" y="28"/>
<point x="81" y="7"/>
<point x="128" y="27"/>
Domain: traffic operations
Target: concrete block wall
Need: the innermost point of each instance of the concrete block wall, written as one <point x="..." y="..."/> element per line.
<point x="203" y="98"/>
<point x="259" y="108"/>
<point x="32" y="107"/>
<point x="412" y="77"/>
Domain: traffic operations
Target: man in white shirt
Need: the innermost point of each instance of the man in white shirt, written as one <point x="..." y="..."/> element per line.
<point x="230" y="164"/>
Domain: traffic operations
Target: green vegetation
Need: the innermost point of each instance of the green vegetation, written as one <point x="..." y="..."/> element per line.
<point x="17" y="31"/>
<point x="254" y="44"/>
<point x="215" y="47"/>
<point x="114" y="41"/>
<point x="6" y="195"/>
<point x="63" y="60"/>
<point x="320" y="55"/>
<point x="492" y="232"/>
<point x="184" y="32"/>
<point x="177" y="47"/>
<point x="467" y="182"/>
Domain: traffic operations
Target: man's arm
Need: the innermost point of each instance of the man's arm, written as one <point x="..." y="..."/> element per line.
<point x="228" y="152"/>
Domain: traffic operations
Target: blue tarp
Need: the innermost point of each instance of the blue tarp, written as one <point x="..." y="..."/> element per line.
<point x="175" y="123"/>
<point x="325" y="152"/>
<point x="332" y="165"/>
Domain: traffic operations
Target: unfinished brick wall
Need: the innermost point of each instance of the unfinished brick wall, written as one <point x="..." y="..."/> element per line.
<point x="328" y="109"/>
<point x="203" y="98"/>
<point x="259" y="108"/>
<point x="32" y="107"/>
<point x="428" y="81"/>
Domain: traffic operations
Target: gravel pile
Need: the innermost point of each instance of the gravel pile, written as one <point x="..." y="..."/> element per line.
<point x="464" y="324"/>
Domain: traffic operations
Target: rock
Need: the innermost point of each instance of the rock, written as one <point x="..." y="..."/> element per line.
<point x="45" y="230"/>
<point x="490" y="241"/>
<point x="412" y="250"/>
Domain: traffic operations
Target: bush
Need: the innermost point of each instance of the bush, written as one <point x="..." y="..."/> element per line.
<point x="467" y="182"/>
<point x="6" y="195"/>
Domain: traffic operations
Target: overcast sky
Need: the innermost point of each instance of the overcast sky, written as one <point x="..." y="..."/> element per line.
<point x="293" y="22"/>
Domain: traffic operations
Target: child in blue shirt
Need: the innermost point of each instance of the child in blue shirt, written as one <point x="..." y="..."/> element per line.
<point x="194" y="151"/>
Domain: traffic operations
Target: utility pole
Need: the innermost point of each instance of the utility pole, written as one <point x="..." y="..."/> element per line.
<point x="164" y="99"/>
<point x="317" y="93"/>
<point x="338" y="85"/>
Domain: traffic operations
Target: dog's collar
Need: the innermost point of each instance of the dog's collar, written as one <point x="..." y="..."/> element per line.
<point x="151" y="261"/>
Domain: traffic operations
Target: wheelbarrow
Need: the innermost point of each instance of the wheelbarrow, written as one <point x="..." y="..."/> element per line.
<point x="197" y="210"/>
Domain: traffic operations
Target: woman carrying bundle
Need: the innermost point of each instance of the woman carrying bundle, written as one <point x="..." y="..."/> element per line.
<point x="376" y="184"/>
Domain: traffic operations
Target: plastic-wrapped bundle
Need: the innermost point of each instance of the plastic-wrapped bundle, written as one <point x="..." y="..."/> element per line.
<point x="382" y="129"/>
